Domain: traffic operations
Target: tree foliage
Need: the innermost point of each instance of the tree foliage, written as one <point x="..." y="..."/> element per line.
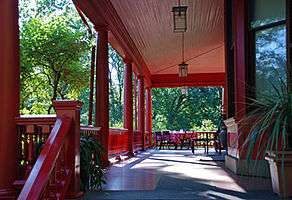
<point x="200" y="109"/>
<point x="53" y="61"/>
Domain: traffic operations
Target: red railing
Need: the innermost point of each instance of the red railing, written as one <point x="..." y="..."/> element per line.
<point x="118" y="141"/>
<point x="50" y="176"/>
<point x="91" y="131"/>
<point x="32" y="132"/>
<point x="177" y="138"/>
<point x="137" y="140"/>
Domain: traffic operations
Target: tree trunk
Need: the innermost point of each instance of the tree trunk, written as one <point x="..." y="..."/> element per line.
<point x="55" y="89"/>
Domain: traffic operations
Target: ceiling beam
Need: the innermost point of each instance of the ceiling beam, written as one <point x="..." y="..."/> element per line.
<point x="192" y="80"/>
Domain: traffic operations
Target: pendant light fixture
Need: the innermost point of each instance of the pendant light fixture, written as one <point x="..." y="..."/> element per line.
<point x="184" y="90"/>
<point x="180" y="26"/>
<point x="179" y="18"/>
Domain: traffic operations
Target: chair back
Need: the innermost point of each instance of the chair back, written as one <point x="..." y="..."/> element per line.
<point x="166" y="135"/>
<point x="158" y="135"/>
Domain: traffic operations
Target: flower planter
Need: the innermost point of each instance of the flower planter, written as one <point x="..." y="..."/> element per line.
<point x="281" y="176"/>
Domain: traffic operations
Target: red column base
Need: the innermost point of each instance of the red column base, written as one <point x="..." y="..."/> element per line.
<point x="130" y="154"/>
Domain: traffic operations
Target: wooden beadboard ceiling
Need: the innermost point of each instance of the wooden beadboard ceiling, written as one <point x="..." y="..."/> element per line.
<point x="149" y="23"/>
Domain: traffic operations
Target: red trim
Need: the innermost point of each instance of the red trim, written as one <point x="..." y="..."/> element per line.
<point x="192" y="80"/>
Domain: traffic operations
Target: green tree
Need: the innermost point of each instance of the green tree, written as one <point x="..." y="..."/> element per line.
<point x="51" y="62"/>
<point x="200" y="109"/>
<point x="116" y="85"/>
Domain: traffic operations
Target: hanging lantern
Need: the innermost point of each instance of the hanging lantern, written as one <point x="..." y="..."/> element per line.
<point x="179" y="18"/>
<point x="183" y="69"/>
<point x="184" y="90"/>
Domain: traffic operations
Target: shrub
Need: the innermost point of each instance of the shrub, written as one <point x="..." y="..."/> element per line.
<point x="91" y="173"/>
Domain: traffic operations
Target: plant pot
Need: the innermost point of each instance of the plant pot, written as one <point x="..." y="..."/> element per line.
<point x="281" y="175"/>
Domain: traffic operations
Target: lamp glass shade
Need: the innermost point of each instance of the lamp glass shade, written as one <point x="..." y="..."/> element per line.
<point x="179" y="19"/>
<point x="183" y="70"/>
<point x="184" y="90"/>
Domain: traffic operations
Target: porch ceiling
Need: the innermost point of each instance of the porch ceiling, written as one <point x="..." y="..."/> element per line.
<point x="149" y="24"/>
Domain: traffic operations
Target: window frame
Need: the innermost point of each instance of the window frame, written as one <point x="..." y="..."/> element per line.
<point x="251" y="61"/>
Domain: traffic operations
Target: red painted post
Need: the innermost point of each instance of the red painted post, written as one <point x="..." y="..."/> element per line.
<point x="149" y="114"/>
<point x="135" y="103"/>
<point x="90" y="109"/>
<point x="128" y="105"/>
<point x="102" y="91"/>
<point x="225" y="102"/>
<point x="72" y="109"/>
<point x="141" y="110"/>
<point x="9" y="91"/>
<point x="240" y="34"/>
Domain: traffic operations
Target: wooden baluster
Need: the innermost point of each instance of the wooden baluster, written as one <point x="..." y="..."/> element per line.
<point x="29" y="149"/>
<point x="20" y="157"/>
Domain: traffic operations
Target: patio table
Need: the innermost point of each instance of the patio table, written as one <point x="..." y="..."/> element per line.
<point x="206" y="138"/>
<point x="187" y="138"/>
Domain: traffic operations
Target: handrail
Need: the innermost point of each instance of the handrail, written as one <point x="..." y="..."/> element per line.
<point x="90" y="128"/>
<point x="35" y="119"/>
<point x="45" y="165"/>
<point x="118" y="131"/>
<point x="91" y="131"/>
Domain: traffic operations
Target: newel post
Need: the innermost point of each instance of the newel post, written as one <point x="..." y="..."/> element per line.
<point x="72" y="148"/>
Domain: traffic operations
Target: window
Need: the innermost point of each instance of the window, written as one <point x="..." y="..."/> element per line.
<point x="270" y="60"/>
<point x="263" y="12"/>
<point x="268" y="41"/>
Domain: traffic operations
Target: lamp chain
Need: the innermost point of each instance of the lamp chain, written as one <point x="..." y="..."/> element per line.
<point x="183" y="47"/>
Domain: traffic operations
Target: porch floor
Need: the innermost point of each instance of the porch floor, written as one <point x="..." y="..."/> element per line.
<point x="178" y="174"/>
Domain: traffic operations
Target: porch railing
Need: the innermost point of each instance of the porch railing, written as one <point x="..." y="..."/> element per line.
<point x="118" y="141"/>
<point x="35" y="138"/>
<point x="50" y="176"/>
<point x="137" y="140"/>
<point x="32" y="133"/>
<point x="91" y="131"/>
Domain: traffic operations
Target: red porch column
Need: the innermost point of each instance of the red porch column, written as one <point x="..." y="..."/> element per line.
<point x="141" y="110"/>
<point x="225" y="102"/>
<point x="240" y="25"/>
<point x="128" y="104"/>
<point x="102" y="90"/>
<point x="9" y="91"/>
<point x="72" y="109"/>
<point x="149" y="113"/>
<point x="90" y="109"/>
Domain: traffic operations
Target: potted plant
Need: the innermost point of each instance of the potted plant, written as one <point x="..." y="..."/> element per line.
<point x="270" y="131"/>
<point x="91" y="173"/>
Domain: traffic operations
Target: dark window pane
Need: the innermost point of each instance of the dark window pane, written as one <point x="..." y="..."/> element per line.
<point x="266" y="11"/>
<point x="270" y="61"/>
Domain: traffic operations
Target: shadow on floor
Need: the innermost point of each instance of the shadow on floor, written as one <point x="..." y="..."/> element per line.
<point x="178" y="175"/>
